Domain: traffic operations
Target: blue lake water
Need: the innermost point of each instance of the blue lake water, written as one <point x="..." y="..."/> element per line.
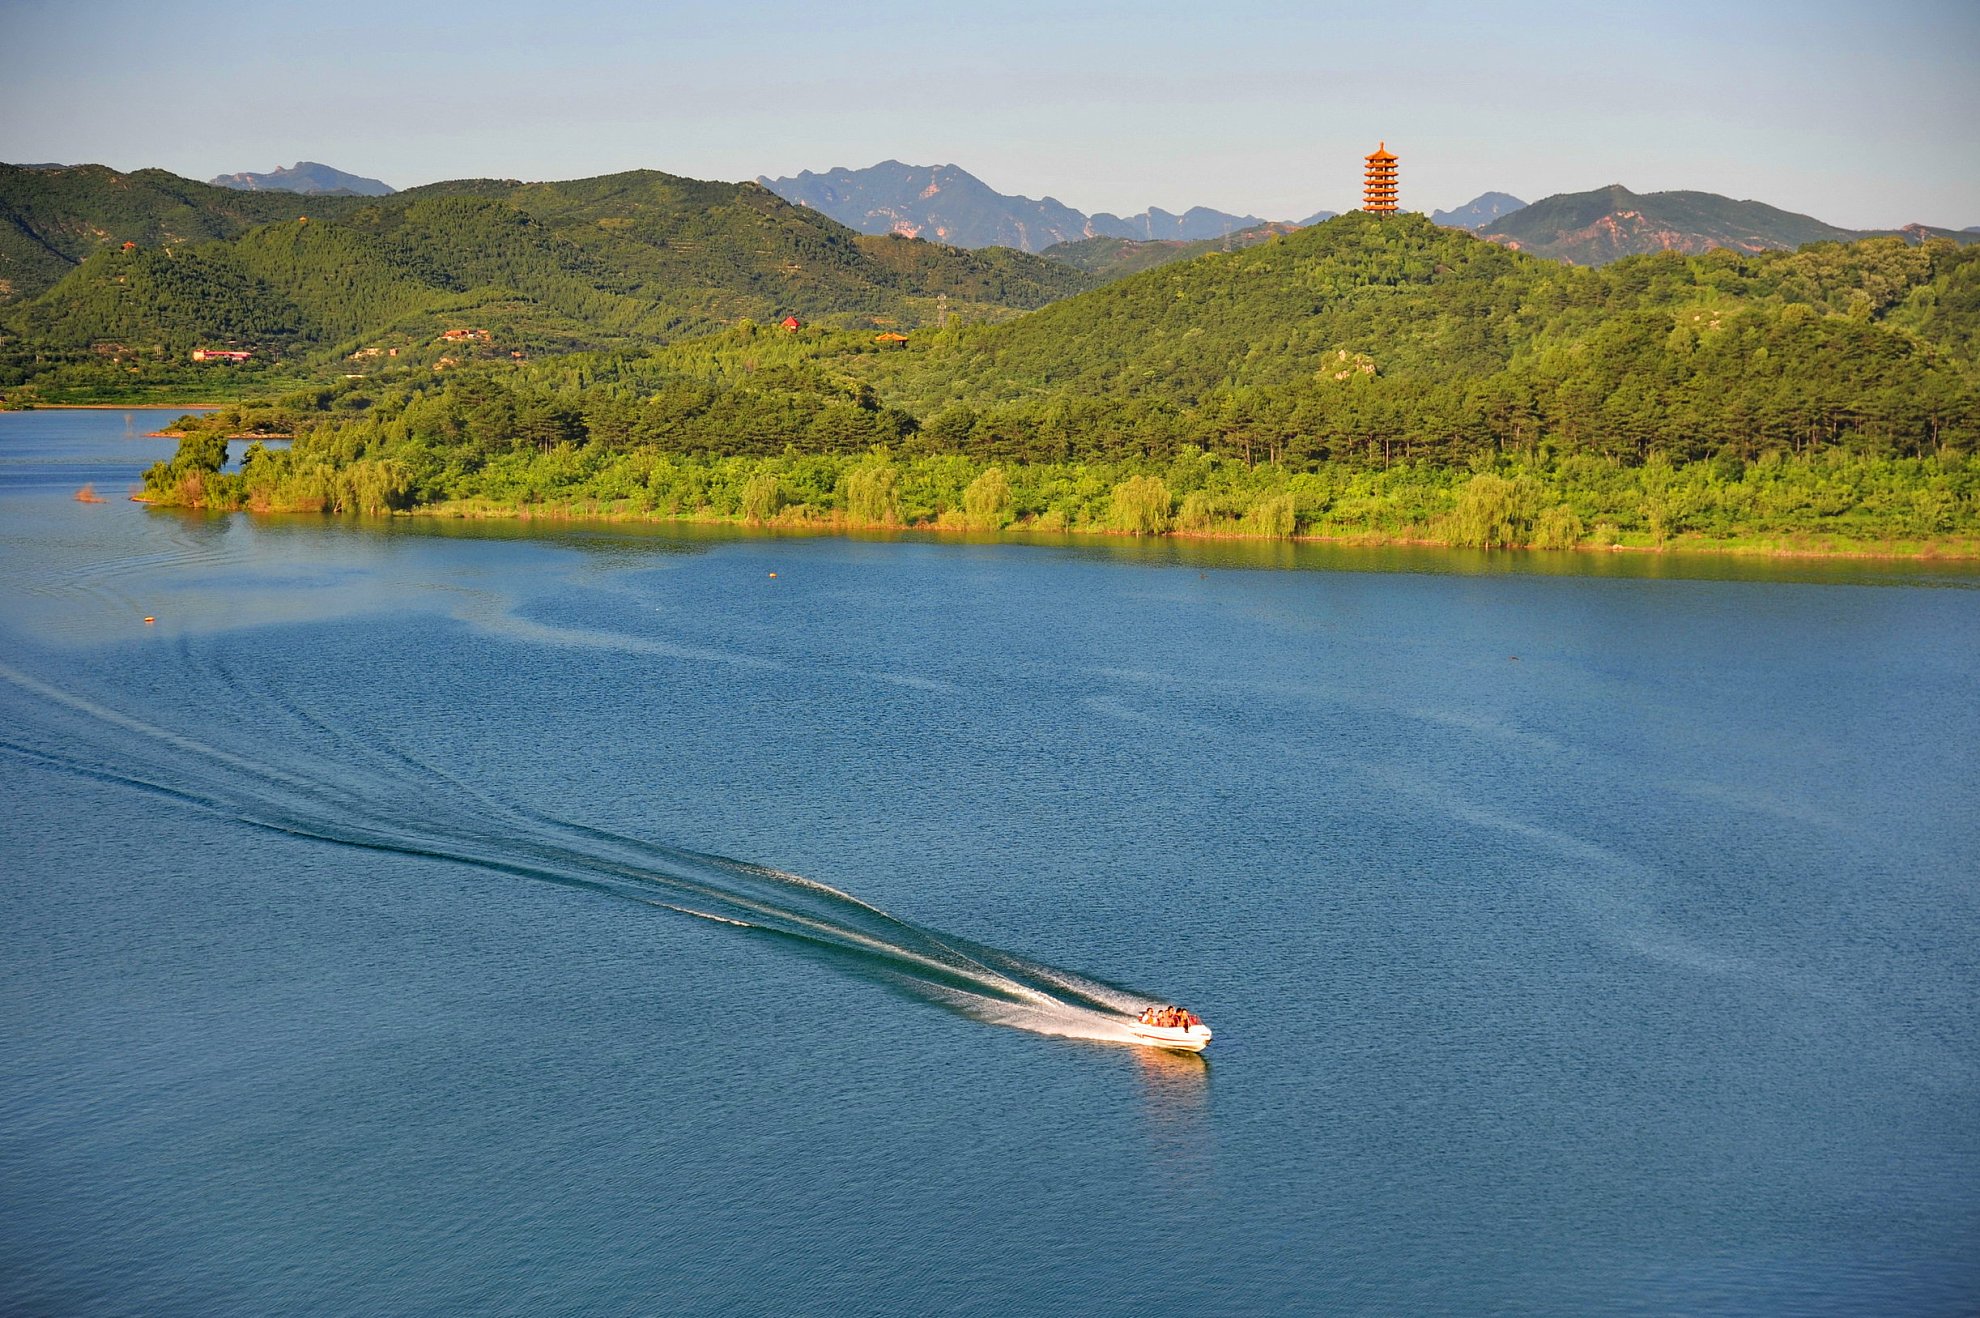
<point x="1581" y="933"/>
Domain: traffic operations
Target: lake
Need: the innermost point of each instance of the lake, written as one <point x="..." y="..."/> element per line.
<point x="424" y="916"/>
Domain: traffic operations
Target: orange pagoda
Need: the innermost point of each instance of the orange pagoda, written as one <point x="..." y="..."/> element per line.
<point x="1381" y="185"/>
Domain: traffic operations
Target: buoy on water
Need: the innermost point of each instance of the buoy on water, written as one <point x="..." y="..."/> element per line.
<point x="149" y="619"/>
<point x="773" y="576"/>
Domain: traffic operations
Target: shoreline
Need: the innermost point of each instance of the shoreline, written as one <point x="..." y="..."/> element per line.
<point x="120" y="407"/>
<point x="1761" y="547"/>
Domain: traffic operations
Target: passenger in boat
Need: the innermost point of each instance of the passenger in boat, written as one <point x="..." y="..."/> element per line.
<point x="1169" y="1018"/>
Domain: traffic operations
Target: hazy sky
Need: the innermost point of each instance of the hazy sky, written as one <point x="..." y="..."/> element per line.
<point x="1861" y="114"/>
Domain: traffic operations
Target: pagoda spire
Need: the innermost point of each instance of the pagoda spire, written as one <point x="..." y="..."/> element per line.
<point x="1380" y="192"/>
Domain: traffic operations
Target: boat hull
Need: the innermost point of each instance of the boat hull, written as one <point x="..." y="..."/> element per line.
<point x="1193" y="1039"/>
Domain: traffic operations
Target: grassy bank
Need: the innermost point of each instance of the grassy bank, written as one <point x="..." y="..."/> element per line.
<point x="194" y="394"/>
<point x="807" y="521"/>
<point x="1821" y="504"/>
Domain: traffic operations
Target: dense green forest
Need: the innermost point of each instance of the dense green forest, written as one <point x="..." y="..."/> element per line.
<point x="623" y="261"/>
<point x="51" y="219"/>
<point x="1377" y="377"/>
<point x="1367" y="339"/>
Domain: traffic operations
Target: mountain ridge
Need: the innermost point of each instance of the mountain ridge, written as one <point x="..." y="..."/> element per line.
<point x="949" y="204"/>
<point x="1480" y="212"/>
<point x="308" y="177"/>
<point x="1606" y="224"/>
<point x="1107" y="258"/>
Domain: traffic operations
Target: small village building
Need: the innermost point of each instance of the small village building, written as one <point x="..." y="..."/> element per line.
<point x="791" y="323"/>
<point x="466" y="336"/>
<point x="891" y="340"/>
<point x="220" y="355"/>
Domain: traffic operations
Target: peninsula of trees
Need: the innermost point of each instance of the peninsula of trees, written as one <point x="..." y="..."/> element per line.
<point x="1366" y="377"/>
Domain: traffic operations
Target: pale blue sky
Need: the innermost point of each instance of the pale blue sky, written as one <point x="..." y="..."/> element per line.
<point x="1860" y="114"/>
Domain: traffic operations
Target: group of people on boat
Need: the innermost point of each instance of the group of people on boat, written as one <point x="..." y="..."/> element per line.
<point x="1170" y="1018"/>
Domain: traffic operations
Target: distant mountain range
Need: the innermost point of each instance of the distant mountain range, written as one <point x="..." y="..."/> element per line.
<point x="1108" y="259"/>
<point x="309" y="177"/>
<point x="1479" y="212"/>
<point x="1594" y="228"/>
<point x="1158" y="225"/>
<point x="945" y="203"/>
<point x="1581" y="228"/>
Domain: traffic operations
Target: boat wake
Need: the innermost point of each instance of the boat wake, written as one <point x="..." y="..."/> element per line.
<point x="372" y="796"/>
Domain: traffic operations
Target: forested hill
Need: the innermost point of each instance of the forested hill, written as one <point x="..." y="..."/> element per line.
<point x="52" y="218"/>
<point x="619" y="261"/>
<point x="1360" y="340"/>
<point x="1394" y="336"/>
<point x="1367" y="376"/>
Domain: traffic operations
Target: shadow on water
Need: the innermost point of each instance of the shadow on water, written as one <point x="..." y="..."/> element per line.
<point x="1175" y="1117"/>
<point x="1161" y="551"/>
<point x="1174" y="1081"/>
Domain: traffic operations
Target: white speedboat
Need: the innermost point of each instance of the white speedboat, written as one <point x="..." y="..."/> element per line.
<point x="1193" y="1038"/>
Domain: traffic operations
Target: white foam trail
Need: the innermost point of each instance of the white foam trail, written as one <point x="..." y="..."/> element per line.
<point x="1057" y="1019"/>
<point x="361" y="802"/>
<point x="538" y="633"/>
